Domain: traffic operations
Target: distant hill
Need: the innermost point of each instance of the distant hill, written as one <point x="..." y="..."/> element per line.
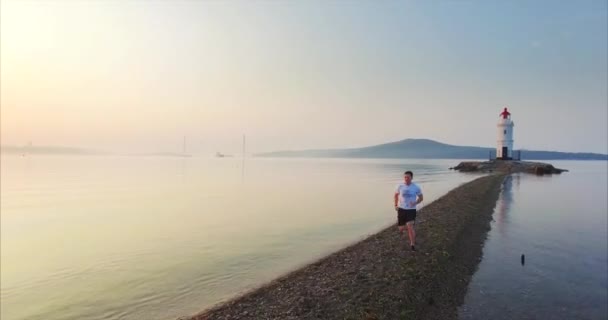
<point x="50" y="150"/>
<point x="425" y="148"/>
<point x="45" y="150"/>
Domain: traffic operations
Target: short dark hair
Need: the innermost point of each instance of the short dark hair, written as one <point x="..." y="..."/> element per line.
<point x="410" y="173"/>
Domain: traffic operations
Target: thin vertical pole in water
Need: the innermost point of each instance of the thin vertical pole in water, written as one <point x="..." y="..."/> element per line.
<point x="243" y="165"/>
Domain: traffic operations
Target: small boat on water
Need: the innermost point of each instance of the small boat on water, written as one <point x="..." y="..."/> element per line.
<point x="221" y="155"/>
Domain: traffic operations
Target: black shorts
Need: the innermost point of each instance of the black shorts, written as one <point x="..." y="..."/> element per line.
<point x="405" y="215"/>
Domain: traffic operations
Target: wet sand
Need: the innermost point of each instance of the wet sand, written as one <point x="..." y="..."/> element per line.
<point x="379" y="277"/>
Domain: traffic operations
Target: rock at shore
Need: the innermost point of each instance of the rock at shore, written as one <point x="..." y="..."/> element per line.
<point x="508" y="166"/>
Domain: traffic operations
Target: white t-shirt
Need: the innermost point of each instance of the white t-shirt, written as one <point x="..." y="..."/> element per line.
<point x="407" y="194"/>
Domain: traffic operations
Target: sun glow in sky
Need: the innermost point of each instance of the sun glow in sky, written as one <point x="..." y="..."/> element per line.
<point x="138" y="76"/>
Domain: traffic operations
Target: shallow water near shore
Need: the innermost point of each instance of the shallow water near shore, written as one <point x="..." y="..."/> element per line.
<point x="559" y="223"/>
<point x="85" y="237"/>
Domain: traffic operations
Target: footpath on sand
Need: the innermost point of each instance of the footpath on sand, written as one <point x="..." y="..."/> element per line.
<point x="379" y="277"/>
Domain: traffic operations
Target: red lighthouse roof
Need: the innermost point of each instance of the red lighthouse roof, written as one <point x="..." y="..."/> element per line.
<point x="505" y="114"/>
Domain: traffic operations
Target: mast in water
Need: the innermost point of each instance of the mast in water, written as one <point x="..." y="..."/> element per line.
<point x="243" y="165"/>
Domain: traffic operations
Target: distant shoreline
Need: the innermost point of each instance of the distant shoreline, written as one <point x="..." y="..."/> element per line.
<point x="379" y="278"/>
<point x="83" y="152"/>
<point x="296" y="155"/>
<point x="430" y="149"/>
<point x="404" y="149"/>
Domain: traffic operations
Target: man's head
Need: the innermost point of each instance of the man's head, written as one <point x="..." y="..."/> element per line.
<point x="408" y="177"/>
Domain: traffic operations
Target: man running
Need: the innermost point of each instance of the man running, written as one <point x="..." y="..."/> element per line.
<point x="407" y="196"/>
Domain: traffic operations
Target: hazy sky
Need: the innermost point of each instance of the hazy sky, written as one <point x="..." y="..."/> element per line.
<point x="139" y="75"/>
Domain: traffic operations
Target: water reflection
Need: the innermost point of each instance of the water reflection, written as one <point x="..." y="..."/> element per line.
<point x="544" y="257"/>
<point x="144" y="223"/>
<point x="505" y="201"/>
<point x="182" y="170"/>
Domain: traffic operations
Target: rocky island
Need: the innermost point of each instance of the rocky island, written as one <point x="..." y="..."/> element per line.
<point x="508" y="166"/>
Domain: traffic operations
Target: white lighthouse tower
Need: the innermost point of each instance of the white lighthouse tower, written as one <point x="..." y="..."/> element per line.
<point x="504" y="147"/>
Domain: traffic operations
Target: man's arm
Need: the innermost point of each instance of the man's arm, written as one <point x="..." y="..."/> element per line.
<point x="396" y="199"/>
<point x="419" y="198"/>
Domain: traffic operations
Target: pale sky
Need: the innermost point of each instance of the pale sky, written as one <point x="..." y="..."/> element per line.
<point x="136" y="76"/>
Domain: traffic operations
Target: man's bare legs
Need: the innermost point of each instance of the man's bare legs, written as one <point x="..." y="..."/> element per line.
<point x="412" y="234"/>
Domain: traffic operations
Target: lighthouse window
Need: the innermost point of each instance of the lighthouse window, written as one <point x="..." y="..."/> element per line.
<point x="505" y="131"/>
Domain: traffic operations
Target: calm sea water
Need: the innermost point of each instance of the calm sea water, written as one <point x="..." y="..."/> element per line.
<point x="85" y="237"/>
<point x="559" y="223"/>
